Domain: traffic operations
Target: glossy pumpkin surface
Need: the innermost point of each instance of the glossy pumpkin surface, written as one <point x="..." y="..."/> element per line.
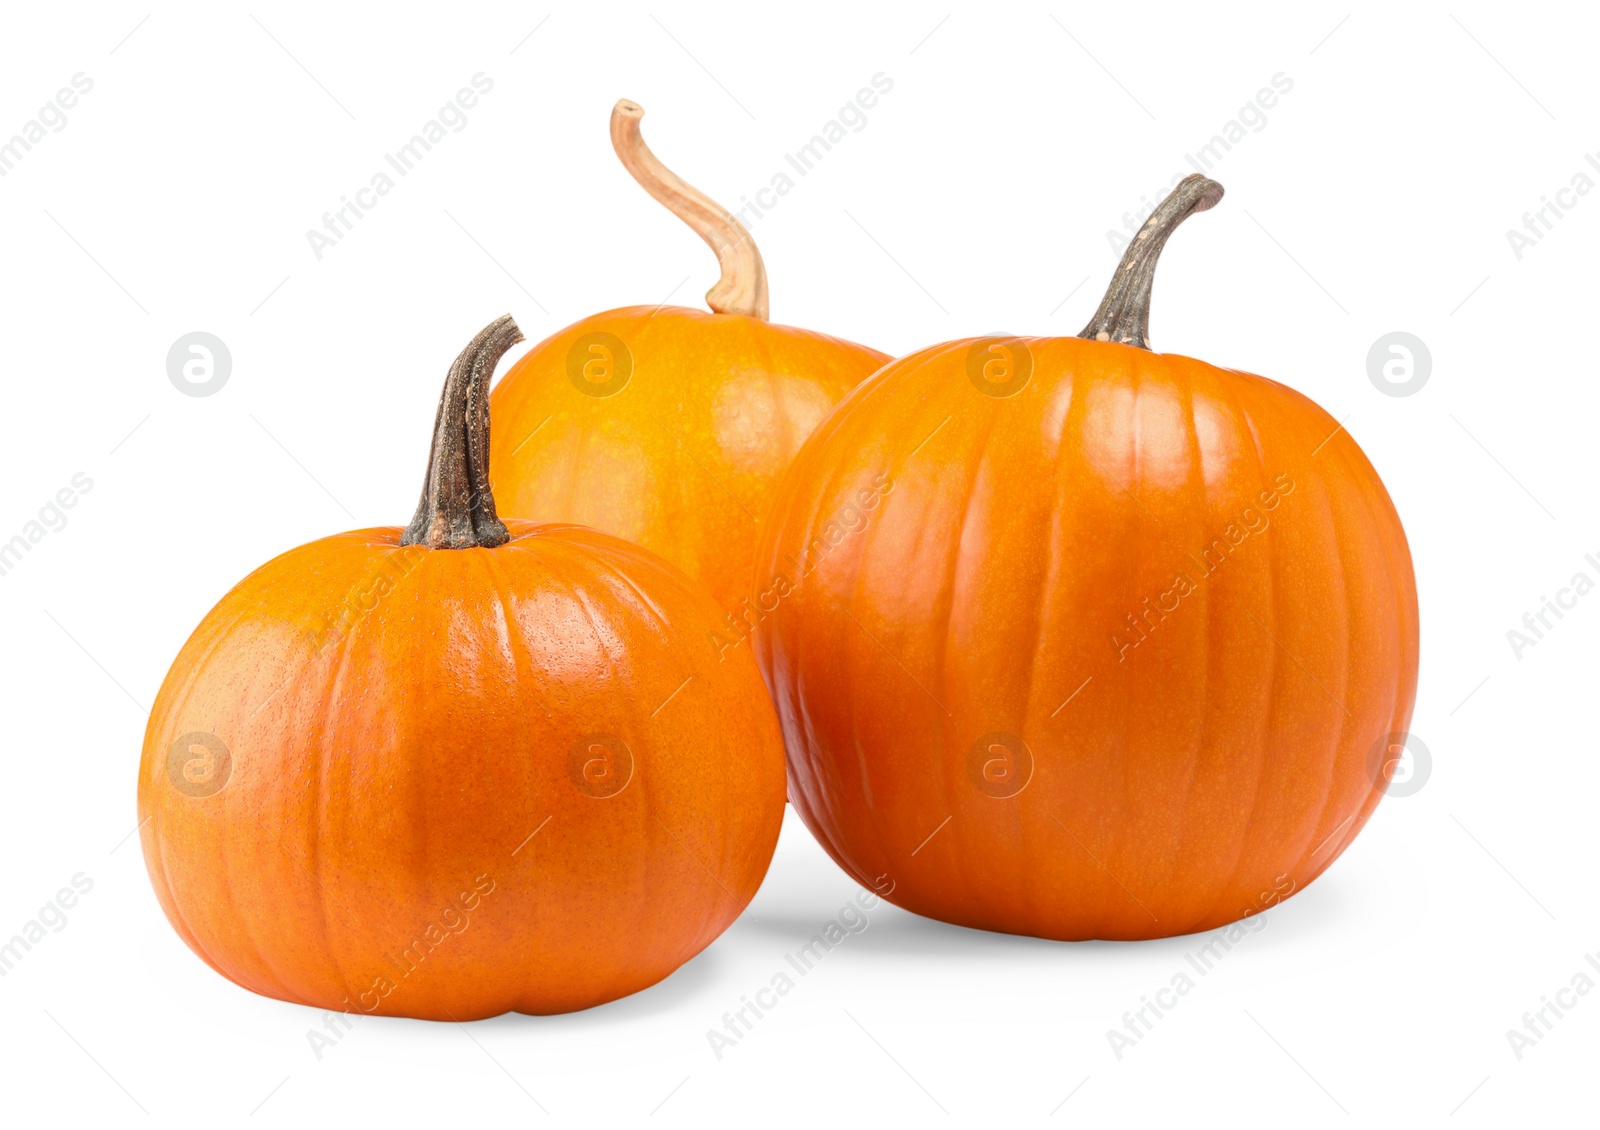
<point x="1073" y="639"/>
<point x="453" y="782"/>
<point x="668" y="427"/>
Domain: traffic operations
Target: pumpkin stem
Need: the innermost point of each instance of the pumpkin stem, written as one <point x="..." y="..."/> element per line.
<point x="457" y="507"/>
<point x="1124" y="314"/>
<point x="742" y="289"/>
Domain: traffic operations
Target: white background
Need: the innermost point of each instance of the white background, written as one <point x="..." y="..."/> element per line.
<point x="977" y="198"/>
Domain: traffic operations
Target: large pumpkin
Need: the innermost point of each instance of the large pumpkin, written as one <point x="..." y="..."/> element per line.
<point x="1074" y="639"/>
<point x="460" y="769"/>
<point x="664" y="425"/>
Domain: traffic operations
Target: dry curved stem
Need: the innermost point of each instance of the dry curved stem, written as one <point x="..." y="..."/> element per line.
<point x="742" y="289"/>
<point x="1124" y="313"/>
<point x="457" y="507"/>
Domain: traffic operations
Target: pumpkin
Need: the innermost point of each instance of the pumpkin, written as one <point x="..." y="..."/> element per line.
<point x="1074" y="639"/>
<point x="665" y="425"/>
<point x="461" y="769"/>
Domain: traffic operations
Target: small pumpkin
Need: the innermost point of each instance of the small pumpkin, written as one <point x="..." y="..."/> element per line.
<point x="665" y="425"/>
<point x="461" y="769"/>
<point x="1075" y="639"/>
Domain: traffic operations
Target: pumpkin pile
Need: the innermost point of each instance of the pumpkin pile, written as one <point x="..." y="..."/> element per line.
<point x="1059" y="636"/>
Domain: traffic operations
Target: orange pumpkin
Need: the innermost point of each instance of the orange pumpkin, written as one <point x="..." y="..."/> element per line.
<point x="665" y="425"/>
<point x="461" y="769"/>
<point x="1074" y="639"/>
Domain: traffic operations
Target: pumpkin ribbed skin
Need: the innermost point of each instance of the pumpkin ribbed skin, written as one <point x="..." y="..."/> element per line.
<point x="400" y="722"/>
<point x="985" y="585"/>
<point x="682" y="459"/>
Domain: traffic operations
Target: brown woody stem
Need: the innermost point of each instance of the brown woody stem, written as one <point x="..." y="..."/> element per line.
<point x="742" y="289"/>
<point x="1124" y="314"/>
<point x="457" y="507"/>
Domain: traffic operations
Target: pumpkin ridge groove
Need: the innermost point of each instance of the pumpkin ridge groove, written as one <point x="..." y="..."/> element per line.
<point x="1345" y="716"/>
<point x="1198" y="475"/>
<point x="317" y="825"/>
<point x="952" y="774"/>
<point x="503" y="603"/>
<point x="1112" y="907"/>
<point x="1261" y="752"/>
<point x="830" y="485"/>
<point x="708" y="931"/>
<point x="643" y="883"/>
<point x="163" y="879"/>
<point x="1398" y="712"/>
<point x="1049" y="580"/>
<point x="268" y="970"/>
